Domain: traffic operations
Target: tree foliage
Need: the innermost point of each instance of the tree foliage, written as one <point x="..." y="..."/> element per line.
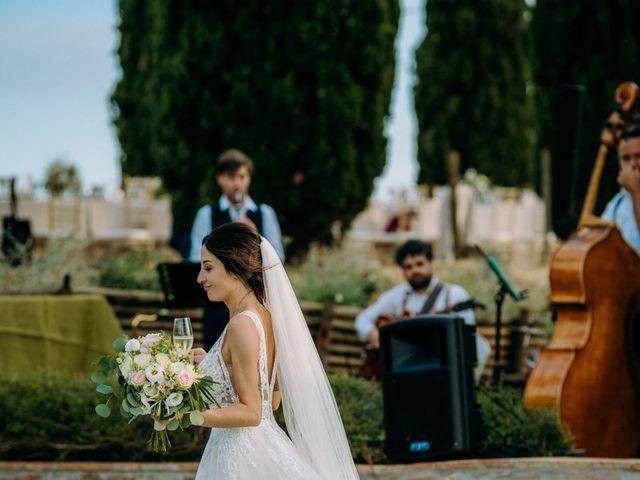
<point x="593" y="43"/>
<point x="302" y="87"/>
<point x="61" y="177"/>
<point x="473" y="68"/>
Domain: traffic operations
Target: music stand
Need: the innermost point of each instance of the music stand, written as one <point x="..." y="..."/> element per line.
<point x="179" y="285"/>
<point x="180" y="290"/>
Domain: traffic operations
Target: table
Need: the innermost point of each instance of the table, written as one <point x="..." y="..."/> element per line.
<point x="55" y="332"/>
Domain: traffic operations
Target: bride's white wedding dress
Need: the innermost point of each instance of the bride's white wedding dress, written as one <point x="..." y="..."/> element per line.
<point x="261" y="452"/>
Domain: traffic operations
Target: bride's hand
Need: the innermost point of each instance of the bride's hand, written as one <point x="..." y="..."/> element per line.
<point x="160" y="424"/>
<point x="196" y="355"/>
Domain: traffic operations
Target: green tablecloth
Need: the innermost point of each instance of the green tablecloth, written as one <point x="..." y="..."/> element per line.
<point x="66" y="332"/>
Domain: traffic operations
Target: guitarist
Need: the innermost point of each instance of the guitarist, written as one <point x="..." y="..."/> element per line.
<point x="422" y="293"/>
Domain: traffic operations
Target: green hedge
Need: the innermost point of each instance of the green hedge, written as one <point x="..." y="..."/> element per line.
<point x="508" y="423"/>
<point x="133" y="269"/>
<point x="51" y="417"/>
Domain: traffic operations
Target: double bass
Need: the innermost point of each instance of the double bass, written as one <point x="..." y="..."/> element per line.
<point x="590" y="371"/>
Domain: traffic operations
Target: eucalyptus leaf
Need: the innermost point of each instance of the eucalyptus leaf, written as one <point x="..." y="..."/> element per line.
<point x="125" y="405"/>
<point x="124" y="413"/>
<point x="132" y="400"/>
<point x="105" y="389"/>
<point x="136" y="411"/>
<point x="103" y="410"/>
<point x="98" y="377"/>
<point x="173" y="425"/>
<point x="104" y="363"/>
<point x="119" y="343"/>
<point x="196" y="418"/>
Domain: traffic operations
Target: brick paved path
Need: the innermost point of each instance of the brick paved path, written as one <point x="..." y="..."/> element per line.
<point x="549" y="468"/>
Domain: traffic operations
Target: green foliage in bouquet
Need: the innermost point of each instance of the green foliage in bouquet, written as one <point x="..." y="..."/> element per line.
<point x="153" y="379"/>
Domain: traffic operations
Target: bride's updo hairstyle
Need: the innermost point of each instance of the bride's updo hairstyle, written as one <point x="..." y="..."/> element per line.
<point x="237" y="246"/>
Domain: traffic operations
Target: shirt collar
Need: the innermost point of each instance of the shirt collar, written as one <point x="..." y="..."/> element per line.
<point x="249" y="204"/>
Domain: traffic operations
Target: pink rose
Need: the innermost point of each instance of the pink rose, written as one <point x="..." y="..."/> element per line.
<point x="138" y="378"/>
<point x="186" y="379"/>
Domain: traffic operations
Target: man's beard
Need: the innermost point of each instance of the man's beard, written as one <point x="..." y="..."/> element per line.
<point x="420" y="283"/>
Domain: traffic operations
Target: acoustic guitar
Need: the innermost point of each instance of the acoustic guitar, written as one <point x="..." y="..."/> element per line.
<point x="370" y="369"/>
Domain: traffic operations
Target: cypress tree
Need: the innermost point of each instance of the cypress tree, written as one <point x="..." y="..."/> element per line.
<point x="473" y="67"/>
<point x="594" y="44"/>
<point x="302" y="87"/>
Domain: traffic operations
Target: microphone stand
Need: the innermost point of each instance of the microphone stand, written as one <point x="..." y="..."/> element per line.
<point x="505" y="288"/>
<point x="497" y="367"/>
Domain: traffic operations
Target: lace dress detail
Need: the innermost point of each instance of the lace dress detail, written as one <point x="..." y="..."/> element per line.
<point x="261" y="452"/>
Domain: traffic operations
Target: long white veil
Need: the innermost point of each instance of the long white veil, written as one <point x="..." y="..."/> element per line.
<point x="310" y="410"/>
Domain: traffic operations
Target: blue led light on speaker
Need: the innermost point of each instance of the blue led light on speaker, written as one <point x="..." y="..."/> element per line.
<point x="419" y="446"/>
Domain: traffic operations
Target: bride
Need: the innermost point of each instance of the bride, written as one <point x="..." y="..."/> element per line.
<point x="264" y="356"/>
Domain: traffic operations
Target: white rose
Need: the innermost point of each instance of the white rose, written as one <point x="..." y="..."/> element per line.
<point x="173" y="400"/>
<point x="132" y="345"/>
<point x="143" y="360"/>
<point x="151" y="339"/>
<point x="178" y="367"/>
<point x="163" y="359"/>
<point x="126" y="367"/>
<point x="154" y="373"/>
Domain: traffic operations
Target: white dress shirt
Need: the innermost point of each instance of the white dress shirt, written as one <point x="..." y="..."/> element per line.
<point x="392" y="303"/>
<point x="620" y="210"/>
<point x="202" y="224"/>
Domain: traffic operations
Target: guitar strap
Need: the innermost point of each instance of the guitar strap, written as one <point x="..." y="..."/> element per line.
<point x="431" y="299"/>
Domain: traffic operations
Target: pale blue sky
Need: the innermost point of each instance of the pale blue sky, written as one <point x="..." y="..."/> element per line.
<point x="57" y="71"/>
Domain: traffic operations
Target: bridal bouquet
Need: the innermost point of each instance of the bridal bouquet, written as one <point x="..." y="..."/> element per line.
<point x="154" y="379"/>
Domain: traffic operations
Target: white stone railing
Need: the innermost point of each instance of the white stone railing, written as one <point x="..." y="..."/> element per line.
<point x="507" y="220"/>
<point x="96" y="218"/>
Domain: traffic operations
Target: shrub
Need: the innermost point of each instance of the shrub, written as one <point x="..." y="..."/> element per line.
<point x="509" y="423"/>
<point x="45" y="272"/>
<point x="50" y="416"/>
<point x="46" y="416"/>
<point x="132" y="269"/>
<point x="360" y="403"/>
<point x="337" y="276"/>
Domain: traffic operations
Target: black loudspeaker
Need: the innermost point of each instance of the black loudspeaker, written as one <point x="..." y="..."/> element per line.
<point x="430" y="408"/>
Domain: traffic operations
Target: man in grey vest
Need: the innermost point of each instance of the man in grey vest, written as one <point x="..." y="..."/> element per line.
<point x="233" y="176"/>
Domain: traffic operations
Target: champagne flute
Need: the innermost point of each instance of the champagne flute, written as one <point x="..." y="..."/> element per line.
<point x="182" y="334"/>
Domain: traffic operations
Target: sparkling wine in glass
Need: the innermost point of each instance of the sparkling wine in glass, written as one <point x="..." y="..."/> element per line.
<point x="182" y="334"/>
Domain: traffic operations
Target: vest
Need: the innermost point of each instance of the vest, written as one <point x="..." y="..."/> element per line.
<point x="220" y="217"/>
